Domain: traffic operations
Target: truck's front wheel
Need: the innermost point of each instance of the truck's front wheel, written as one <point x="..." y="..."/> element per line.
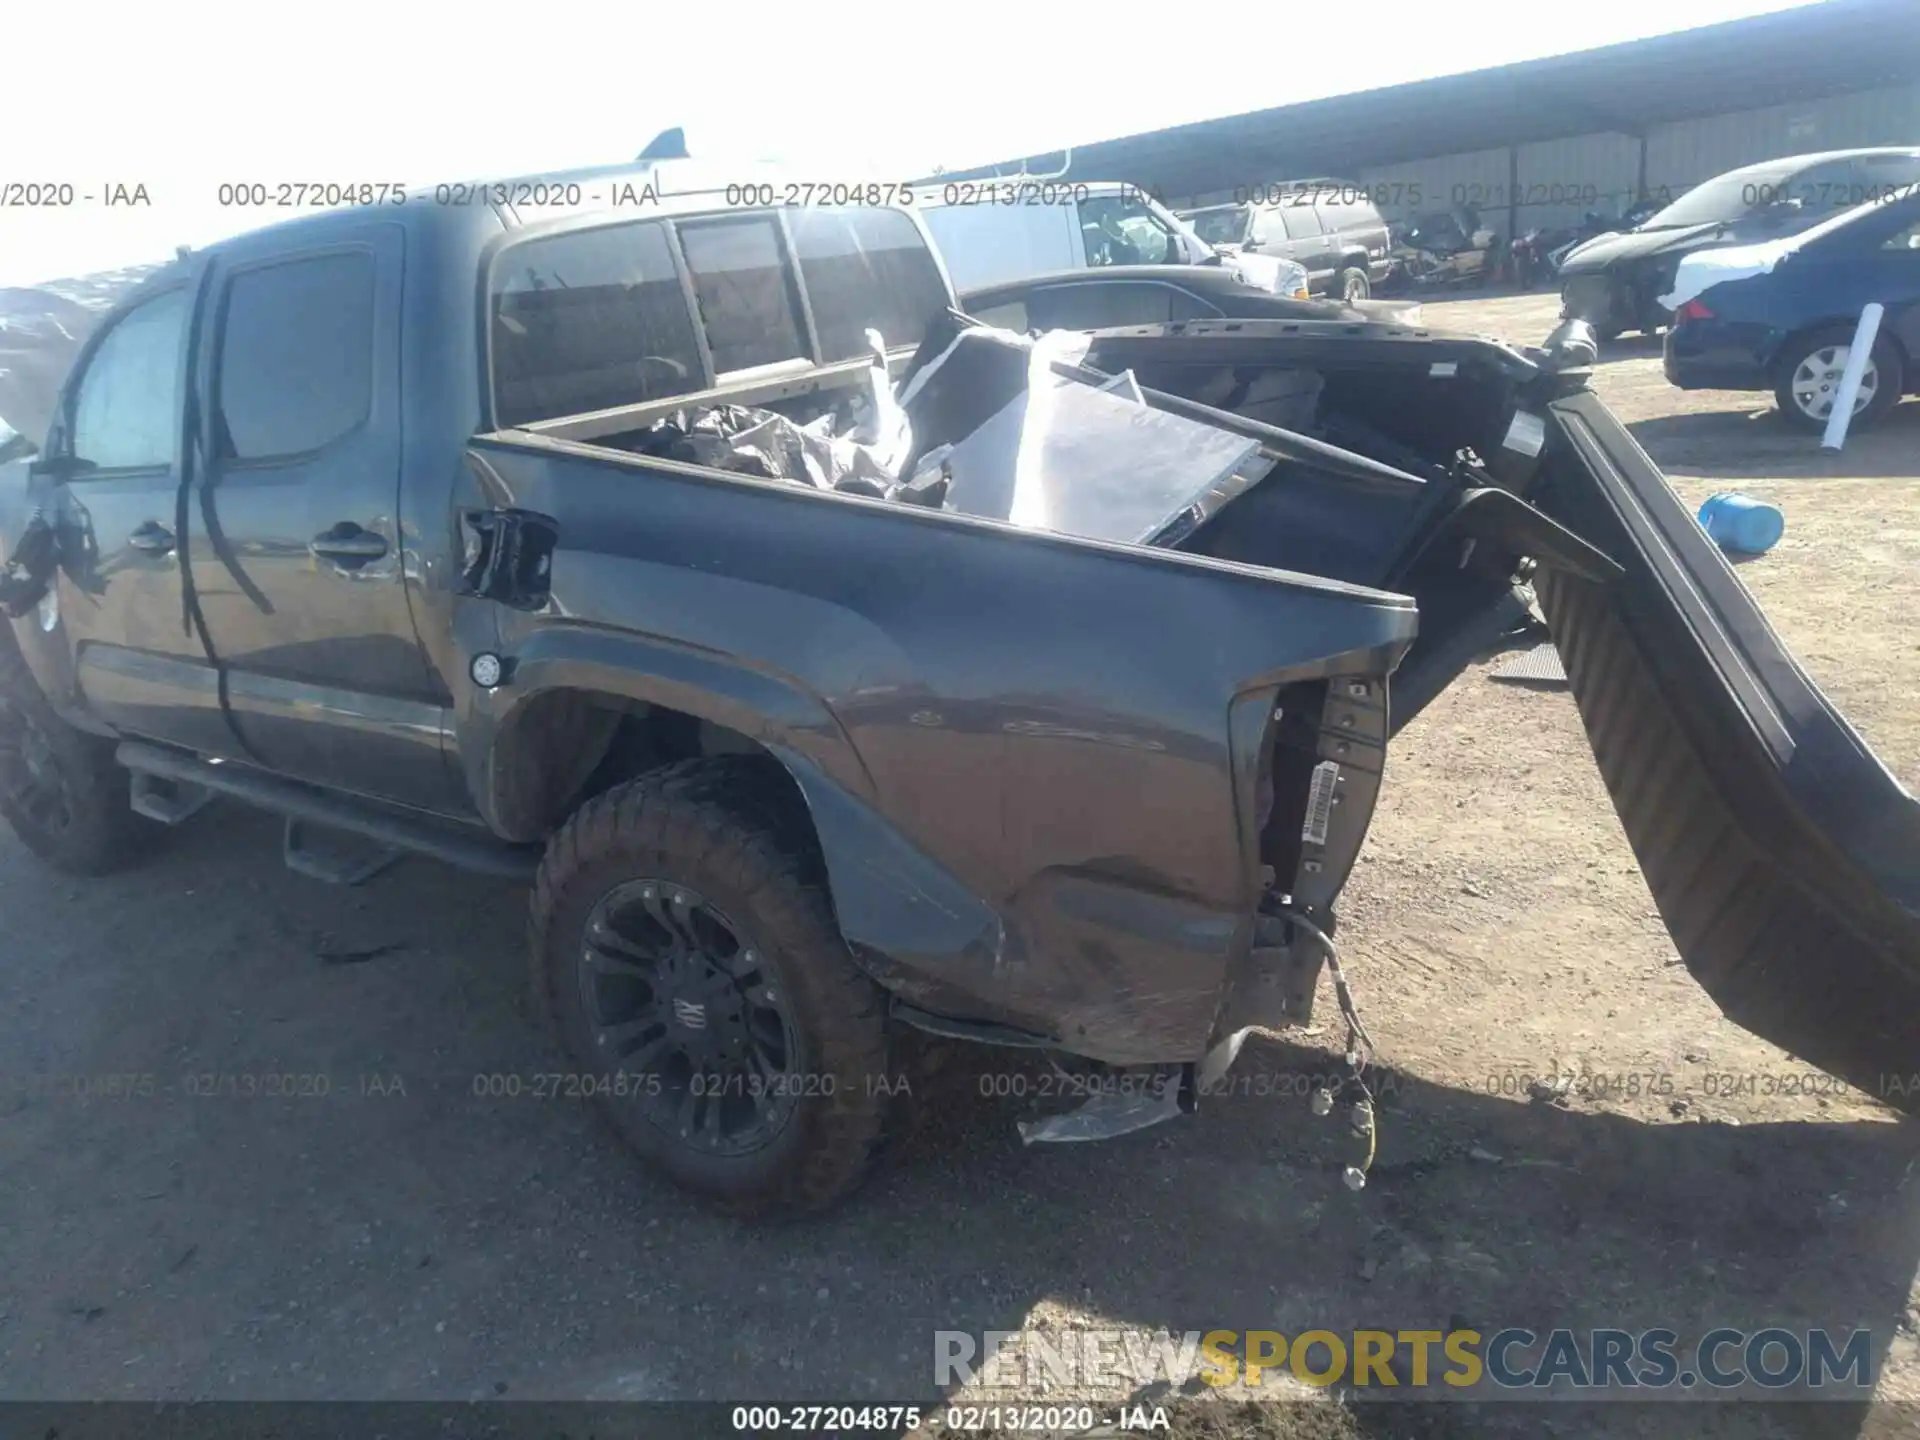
<point x="685" y="949"/>
<point x="60" y="789"/>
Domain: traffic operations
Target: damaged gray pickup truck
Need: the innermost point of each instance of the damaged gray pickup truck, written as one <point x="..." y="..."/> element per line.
<point x="1033" y="692"/>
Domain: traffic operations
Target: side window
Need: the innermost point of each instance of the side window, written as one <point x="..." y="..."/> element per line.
<point x="1350" y="217"/>
<point x="589" y="320"/>
<point x="1100" y="306"/>
<point x="1906" y="240"/>
<point x="1190" y="307"/>
<point x="1301" y="219"/>
<point x="1010" y="315"/>
<point x="1120" y="230"/>
<point x="1268" y="228"/>
<point x="1886" y="178"/>
<point x="296" y="355"/>
<point x="747" y="301"/>
<point x="1822" y="191"/>
<point x="866" y="268"/>
<point x="126" y="413"/>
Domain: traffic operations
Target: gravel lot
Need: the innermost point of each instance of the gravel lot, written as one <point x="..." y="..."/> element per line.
<point x="401" y="1237"/>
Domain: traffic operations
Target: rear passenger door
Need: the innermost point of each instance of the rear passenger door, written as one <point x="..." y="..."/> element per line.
<point x="1900" y="255"/>
<point x="1886" y="268"/>
<point x="1362" y="230"/>
<point x="298" y="554"/>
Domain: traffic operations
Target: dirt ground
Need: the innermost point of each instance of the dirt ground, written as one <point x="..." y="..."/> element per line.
<point x="402" y="1237"/>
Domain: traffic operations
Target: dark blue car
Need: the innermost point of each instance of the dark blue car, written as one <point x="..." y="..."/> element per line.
<point x="1788" y="330"/>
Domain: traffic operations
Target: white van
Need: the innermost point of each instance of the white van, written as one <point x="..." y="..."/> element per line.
<point x="992" y="231"/>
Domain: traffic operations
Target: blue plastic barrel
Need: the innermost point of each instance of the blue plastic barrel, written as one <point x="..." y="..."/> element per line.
<point x="1741" y="523"/>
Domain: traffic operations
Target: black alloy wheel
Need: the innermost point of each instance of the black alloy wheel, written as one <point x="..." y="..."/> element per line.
<point x="679" y="1001"/>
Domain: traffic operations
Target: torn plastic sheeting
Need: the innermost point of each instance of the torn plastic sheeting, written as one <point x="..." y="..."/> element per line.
<point x="766" y="444"/>
<point x="882" y="429"/>
<point x="1704" y="269"/>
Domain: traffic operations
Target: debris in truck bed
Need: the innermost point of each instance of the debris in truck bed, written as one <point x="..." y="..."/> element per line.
<point x="764" y="444"/>
<point x="861" y="455"/>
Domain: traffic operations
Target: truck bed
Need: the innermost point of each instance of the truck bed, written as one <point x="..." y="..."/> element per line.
<point x="1781" y="853"/>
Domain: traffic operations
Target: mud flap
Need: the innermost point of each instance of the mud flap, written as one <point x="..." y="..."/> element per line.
<point x="1784" y="857"/>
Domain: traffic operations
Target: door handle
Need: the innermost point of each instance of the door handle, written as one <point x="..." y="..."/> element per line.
<point x="152" y="538"/>
<point x="348" y="545"/>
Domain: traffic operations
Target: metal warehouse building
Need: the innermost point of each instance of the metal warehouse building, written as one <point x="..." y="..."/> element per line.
<point x="1541" y="142"/>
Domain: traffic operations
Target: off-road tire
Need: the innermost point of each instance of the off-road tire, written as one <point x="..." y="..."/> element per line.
<point x="730" y="828"/>
<point x="1891" y="378"/>
<point x="99" y="831"/>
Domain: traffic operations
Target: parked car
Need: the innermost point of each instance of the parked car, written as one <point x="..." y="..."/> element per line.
<point x="1789" y="327"/>
<point x="1153" y="295"/>
<point x="995" y="230"/>
<point x="1332" y="229"/>
<point x="524" y="541"/>
<point x="1615" y="280"/>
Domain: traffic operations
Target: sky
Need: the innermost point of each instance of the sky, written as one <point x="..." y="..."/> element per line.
<point x="181" y="98"/>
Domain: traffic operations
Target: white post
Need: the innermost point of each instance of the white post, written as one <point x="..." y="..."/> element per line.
<point x="1857" y="355"/>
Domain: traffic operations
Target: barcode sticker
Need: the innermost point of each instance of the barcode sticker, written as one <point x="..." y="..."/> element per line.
<point x="1326" y="775"/>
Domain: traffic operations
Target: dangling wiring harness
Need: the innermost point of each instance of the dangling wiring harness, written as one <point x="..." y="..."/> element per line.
<point x="1359" y="1054"/>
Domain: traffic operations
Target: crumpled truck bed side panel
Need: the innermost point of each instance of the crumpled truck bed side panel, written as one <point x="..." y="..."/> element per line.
<point x="1024" y="753"/>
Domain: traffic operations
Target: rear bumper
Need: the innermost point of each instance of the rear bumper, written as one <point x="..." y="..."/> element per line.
<point x="1717" y="354"/>
<point x="1696" y="373"/>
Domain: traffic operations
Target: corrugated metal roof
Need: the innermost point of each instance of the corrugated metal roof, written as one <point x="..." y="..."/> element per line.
<point x="1825" y="49"/>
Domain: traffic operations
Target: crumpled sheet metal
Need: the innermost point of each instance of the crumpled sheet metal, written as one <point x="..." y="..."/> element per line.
<point x="1046" y="451"/>
<point x="1703" y="269"/>
<point x="1110" y="1112"/>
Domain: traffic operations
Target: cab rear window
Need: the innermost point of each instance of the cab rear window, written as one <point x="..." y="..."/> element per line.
<point x="589" y="320"/>
<point x="743" y="285"/>
<point x="624" y="314"/>
<point x="866" y="269"/>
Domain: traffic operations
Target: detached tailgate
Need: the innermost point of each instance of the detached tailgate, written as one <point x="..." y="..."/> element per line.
<point x="1784" y="857"/>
